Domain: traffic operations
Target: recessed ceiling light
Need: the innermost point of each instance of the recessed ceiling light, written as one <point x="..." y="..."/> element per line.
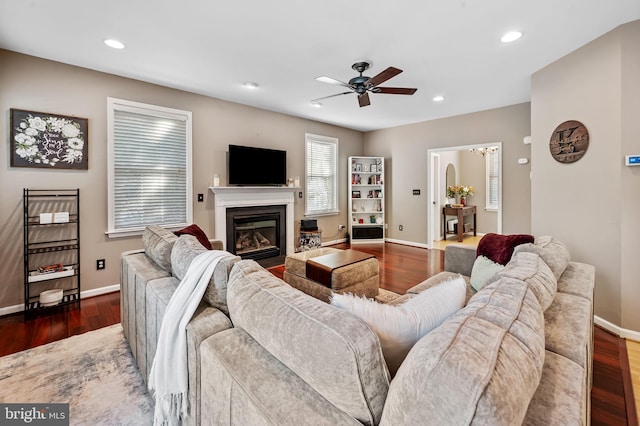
<point x="316" y="104"/>
<point x="438" y="98"/>
<point x="114" y="44"/>
<point x="250" y="85"/>
<point x="511" y="36"/>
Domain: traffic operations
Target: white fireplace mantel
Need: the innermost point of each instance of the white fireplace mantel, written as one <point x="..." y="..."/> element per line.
<point x="249" y="196"/>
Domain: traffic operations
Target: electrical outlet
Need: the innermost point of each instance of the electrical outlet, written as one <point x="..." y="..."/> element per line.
<point x="100" y="264"/>
<point x="341" y="227"/>
<point x="299" y="194"/>
<point x="400" y="227"/>
<point x="200" y="198"/>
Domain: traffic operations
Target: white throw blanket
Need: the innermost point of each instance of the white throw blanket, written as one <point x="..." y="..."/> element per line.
<point x="169" y="375"/>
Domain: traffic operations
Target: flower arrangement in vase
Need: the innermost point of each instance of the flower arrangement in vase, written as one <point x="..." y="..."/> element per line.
<point x="463" y="191"/>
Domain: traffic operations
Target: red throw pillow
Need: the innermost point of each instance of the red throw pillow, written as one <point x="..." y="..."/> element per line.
<point x="499" y="248"/>
<point x="196" y="232"/>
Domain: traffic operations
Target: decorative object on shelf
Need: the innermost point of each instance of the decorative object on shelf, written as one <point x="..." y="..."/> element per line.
<point x="483" y="150"/>
<point x="358" y="167"/>
<point x="355" y="194"/>
<point x="51" y="297"/>
<point x="374" y="168"/>
<point x="569" y="141"/>
<point x="48" y="140"/>
<point x="356" y="180"/>
<point x="372" y="219"/>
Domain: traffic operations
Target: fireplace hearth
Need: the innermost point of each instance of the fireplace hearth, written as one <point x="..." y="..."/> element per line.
<point x="257" y="232"/>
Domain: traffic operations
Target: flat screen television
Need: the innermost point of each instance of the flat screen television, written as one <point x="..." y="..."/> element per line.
<point x="257" y="166"/>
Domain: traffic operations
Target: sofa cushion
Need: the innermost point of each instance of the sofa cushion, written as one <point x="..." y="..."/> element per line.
<point x="245" y="385"/>
<point x="197" y="232"/>
<point x="184" y="251"/>
<point x="554" y="402"/>
<point x="554" y="253"/>
<point x="567" y="332"/>
<point x="158" y="243"/>
<point x="530" y="268"/>
<point x="333" y="351"/>
<point x="499" y="248"/>
<point x="399" y="327"/>
<point x="578" y="279"/>
<point x="483" y="272"/>
<point x="481" y="366"/>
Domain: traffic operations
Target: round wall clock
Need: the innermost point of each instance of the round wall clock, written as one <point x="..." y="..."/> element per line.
<point x="569" y="141"/>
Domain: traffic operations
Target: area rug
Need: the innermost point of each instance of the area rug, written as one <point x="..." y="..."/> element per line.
<point x="93" y="372"/>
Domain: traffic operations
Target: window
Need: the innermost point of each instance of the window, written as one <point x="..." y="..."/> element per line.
<point x="149" y="167"/>
<point x="322" y="175"/>
<point x="492" y="159"/>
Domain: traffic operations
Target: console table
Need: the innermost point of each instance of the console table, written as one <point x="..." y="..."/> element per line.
<point x="460" y="213"/>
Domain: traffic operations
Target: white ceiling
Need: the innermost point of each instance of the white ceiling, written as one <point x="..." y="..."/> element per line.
<point x="447" y="47"/>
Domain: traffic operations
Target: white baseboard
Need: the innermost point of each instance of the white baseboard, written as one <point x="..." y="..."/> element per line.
<point x="83" y="295"/>
<point x="622" y="332"/>
<point x="407" y="243"/>
<point x="330" y="243"/>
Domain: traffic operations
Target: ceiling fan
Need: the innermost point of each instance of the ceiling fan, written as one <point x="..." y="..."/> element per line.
<point x="362" y="85"/>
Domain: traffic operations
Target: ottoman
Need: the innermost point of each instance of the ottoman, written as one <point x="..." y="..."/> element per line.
<point x="357" y="274"/>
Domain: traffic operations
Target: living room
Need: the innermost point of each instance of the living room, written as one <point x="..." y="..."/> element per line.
<point x="596" y="83"/>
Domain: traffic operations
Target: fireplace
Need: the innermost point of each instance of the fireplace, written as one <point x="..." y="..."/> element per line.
<point x="231" y="197"/>
<point x="257" y="232"/>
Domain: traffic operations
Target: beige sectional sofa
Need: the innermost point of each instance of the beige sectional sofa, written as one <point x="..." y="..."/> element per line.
<point x="519" y="352"/>
<point x="148" y="278"/>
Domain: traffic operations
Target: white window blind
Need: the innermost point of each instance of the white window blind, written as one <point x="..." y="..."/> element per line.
<point x="321" y="175"/>
<point x="150" y="166"/>
<point x="492" y="159"/>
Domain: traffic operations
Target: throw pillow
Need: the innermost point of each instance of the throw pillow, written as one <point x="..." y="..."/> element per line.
<point x="196" y="232"/>
<point x="499" y="248"/>
<point x="554" y="253"/>
<point x="157" y="243"/>
<point x="483" y="272"/>
<point x="531" y="268"/>
<point x="400" y="327"/>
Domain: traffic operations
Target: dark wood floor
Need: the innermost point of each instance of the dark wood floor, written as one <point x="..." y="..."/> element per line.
<point x="401" y="267"/>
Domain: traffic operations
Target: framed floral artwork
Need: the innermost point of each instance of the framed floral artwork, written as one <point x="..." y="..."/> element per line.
<point x="48" y="140"/>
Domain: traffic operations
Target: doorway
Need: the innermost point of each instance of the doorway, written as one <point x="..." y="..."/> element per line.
<point x="469" y="163"/>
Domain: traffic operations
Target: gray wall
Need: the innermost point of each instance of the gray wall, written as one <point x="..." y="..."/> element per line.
<point x="593" y="204"/>
<point x="405" y="148"/>
<point x="36" y="84"/>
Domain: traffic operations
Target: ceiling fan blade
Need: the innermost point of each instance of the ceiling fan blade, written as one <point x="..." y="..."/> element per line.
<point x="395" y="90"/>
<point x="325" y="79"/>
<point x="383" y="76"/>
<point x="331" y="96"/>
<point x="363" y="99"/>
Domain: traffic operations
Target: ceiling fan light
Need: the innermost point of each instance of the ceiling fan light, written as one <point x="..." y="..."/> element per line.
<point x="438" y="98"/>
<point x="316" y="104"/>
<point x="511" y="36"/>
<point x="114" y="44"/>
